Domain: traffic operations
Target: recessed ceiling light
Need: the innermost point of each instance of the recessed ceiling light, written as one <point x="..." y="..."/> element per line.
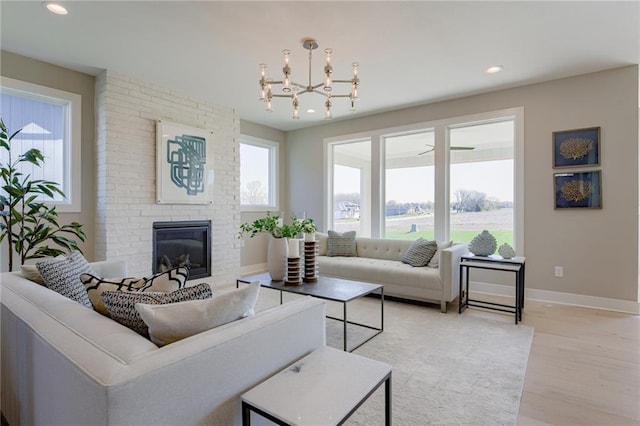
<point x="494" y="69"/>
<point x="311" y="111"/>
<point x="56" y="8"/>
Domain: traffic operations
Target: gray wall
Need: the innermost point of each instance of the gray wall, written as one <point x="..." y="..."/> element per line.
<point x="598" y="248"/>
<point x="44" y="74"/>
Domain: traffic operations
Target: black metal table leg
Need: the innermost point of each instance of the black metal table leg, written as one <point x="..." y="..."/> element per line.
<point x="387" y="401"/>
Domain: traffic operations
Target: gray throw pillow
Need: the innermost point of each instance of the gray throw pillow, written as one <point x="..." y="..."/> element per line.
<point x="341" y="244"/>
<point x="122" y="304"/>
<point x="420" y="252"/>
<point x="63" y="276"/>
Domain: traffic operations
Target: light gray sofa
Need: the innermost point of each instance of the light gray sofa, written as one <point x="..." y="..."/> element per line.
<point x="379" y="261"/>
<point x="65" y="364"/>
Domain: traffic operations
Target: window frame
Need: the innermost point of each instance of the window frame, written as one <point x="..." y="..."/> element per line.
<point x="274" y="173"/>
<point x="72" y="104"/>
<point x="442" y="166"/>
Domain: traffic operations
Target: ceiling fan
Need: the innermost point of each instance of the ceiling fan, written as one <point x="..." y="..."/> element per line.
<point x="452" y="148"/>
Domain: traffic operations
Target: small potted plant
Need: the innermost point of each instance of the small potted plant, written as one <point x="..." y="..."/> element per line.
<point x="308" y="228"/>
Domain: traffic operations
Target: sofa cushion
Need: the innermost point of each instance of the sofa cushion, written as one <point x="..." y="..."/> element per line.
<point x="171" y="322"/>
<point x="380" y="271"/>
<point x="341" y="244"/>
<point x="435" y="260"/>
<point x="63" y="276"/>
<point x="420" y="252"/>
<point x="163" y="282"/>
<point x="31" y="272"/>
<point x="121" y="304"/>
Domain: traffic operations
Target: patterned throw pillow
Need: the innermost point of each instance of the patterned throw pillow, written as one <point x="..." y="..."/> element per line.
<point x="420" y="252"/>
<point x="63" y="276"/>
<point x="175" y="321"/>
<point x="122" y="304"/>
<point x="341" y="244"/>
<point x="163" y="282"/>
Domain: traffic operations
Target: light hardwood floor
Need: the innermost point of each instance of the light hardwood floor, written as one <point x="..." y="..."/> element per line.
<point x="584" y="366"/>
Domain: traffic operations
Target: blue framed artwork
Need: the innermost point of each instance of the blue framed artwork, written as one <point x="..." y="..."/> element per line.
<point x="580" y="189"/>
<point x="580" y="147"/>
<point x="184" y="164"/>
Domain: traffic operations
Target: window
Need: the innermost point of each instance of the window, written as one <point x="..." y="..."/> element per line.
<point x="351" y="193"/>
<point x="258" y="174"/>
<point x="481" y="180"/>
<point x="50" y="122"/>
<point x="442" y="180"/>
<point x="409" y="186"/>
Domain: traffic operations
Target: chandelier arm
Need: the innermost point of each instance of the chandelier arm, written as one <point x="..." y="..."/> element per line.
<point x="340" y="96"/>
<point x="282" y="96"/>
<point x="343" y="81"/>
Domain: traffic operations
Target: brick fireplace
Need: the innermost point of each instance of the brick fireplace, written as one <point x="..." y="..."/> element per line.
<point x="126" y="208"/>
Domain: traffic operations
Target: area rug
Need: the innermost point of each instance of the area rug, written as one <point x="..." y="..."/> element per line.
<point x="448" y="369"/>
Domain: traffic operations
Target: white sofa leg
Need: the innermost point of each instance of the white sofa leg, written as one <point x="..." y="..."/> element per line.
<point x="443" y="307"/>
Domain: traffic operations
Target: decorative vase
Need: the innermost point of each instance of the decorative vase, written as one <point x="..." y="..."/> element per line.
<point x="294" y="247"/>
<point x="277" y="253"/>
<point x="483" y="244"/>
<point x="309" y="237"/>
<point x="506" y="251"/>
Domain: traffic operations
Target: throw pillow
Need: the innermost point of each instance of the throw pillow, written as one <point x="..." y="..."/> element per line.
<point x="163" y="282"/>
<point x="31" y="273"/>
<point x="122" y="304"/>
<point x="167" y="281"/>
<point x="63" y="276"/>
<point x="435" y="260"/>
<point x="172" y="322"/>
<point x="420" y="252"/>
<point x="341" y="244"/>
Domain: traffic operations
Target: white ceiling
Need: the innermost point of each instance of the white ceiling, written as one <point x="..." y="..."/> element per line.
<point x="409" y="52"/>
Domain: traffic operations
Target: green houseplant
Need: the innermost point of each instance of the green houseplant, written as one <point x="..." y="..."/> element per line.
<point x="279" y="232"/>
<point x="26" y="222"/>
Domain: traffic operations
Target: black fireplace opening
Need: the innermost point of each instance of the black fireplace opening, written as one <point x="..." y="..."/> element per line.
<point x="182" y="243"/>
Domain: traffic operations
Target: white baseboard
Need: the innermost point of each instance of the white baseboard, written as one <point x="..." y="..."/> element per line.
<point x="603" y="303"/>
<point x="253" y="269"/>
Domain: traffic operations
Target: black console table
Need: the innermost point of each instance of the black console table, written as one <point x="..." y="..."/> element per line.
<point x="495" y="263"/>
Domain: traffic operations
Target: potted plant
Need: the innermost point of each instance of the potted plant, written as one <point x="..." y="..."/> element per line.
<point x="27" y="223"/>
<point x="282" y="239"/>
<point x="308" y="228"/>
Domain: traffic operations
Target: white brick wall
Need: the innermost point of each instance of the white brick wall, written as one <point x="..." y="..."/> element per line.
<point x="127" y="110"/>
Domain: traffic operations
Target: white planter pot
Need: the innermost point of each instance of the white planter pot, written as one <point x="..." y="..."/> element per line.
<point x="309" y="236"/>
<point x="277" y="252"/>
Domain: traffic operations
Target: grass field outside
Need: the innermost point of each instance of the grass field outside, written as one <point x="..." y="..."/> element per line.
<point x="464" y="226"/>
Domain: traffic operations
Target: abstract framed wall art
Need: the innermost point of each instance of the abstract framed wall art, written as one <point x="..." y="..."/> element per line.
<point x="579" y="189"/>
<point x="580" y="147"/>
<point x="184" y="164"/>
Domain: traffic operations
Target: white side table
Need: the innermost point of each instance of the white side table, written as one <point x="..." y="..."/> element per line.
<point x="324" y="388"/>
<point x="495" y="263"/>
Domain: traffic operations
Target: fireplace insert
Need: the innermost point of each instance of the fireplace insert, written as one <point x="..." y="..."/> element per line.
<point x="182" y="243"/>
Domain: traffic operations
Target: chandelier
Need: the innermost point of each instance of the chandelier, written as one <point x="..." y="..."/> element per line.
<point x="267" y="85"/>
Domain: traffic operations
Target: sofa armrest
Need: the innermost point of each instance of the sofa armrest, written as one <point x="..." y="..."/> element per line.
<point x="450" y="270"/>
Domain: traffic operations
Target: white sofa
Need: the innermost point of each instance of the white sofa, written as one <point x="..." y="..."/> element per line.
<point x="379" y="261"/>
<point x="65" y="364"/>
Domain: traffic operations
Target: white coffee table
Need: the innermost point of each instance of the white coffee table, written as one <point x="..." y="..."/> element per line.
<point x="324" y="388"/>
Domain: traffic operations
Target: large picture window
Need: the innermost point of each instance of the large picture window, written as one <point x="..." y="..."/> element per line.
<point x="258" y="174"/>
<point x="444" y="180"/>
<point x="50" y="122"/>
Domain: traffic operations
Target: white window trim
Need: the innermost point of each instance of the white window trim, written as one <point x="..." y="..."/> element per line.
<point x="441" y="225"/>
<point x="73" y="128"/>
<point x="274" y="174"/>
